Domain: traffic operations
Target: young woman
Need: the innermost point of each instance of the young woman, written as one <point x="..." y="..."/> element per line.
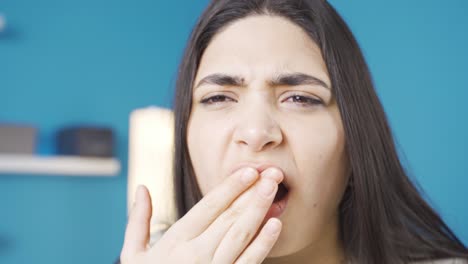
<point x="283" y="152"/>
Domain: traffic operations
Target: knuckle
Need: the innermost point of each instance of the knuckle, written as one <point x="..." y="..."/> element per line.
<point x="263" y="201"/>
<point x="231" y="213"/>
<point x="211" y="202"/>
<point x="241" y="235"/>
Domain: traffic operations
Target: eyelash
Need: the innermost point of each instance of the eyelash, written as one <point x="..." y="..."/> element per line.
<point x="310" y="101"/>
<point x="209" y="100"/>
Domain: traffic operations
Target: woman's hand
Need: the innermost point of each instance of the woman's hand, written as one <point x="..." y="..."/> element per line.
<point x="221" y="228"/>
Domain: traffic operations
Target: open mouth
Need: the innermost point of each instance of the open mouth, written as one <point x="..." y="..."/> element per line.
<point x="281" y="193"/>
<point x="279" y="203"/>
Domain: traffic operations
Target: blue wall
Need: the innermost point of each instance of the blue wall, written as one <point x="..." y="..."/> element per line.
<point x="65" y="62"/>
<point x="82" y="61"/>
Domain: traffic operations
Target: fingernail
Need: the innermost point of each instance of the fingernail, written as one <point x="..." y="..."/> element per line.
<point x="274" y="174"/>
<point x="248" y="176"/>
<point x="267" y="187"/>
<point x="273" y="226"/>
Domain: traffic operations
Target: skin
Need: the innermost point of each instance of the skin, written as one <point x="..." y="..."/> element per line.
<point x="256" y="122"/>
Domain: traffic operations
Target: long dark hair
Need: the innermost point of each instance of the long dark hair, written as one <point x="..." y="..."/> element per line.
<point x="383" y="218"/>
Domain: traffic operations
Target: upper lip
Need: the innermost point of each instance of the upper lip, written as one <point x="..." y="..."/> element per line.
<point x="260" y="167"/>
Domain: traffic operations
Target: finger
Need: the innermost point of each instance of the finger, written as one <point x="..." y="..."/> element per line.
<point x="138" y="227"/>
<point x="243" y="230"/>
<point x="261" y="246"/>
<point x="214" y="203"/>
<point x="218" y="229"/>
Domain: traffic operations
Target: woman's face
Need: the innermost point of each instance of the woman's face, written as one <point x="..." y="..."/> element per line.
<point x="271" y="103"/>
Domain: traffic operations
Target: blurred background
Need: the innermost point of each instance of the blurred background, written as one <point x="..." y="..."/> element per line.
<point x="92" y="62"/>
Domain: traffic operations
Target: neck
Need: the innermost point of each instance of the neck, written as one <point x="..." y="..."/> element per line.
<point x="327" y="250"/>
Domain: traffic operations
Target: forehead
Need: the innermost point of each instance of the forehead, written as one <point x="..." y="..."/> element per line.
<point x="262" y="45"/>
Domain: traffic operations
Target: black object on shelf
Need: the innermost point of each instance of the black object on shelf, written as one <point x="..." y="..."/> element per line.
<point x="85" y="141"/>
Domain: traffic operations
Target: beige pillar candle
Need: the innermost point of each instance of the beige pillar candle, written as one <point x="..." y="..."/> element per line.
<point x="151" y="151"/>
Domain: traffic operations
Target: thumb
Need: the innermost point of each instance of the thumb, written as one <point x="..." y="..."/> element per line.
<point x="138" y="227"/>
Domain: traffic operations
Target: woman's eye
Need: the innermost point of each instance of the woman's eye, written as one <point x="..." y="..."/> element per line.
<point x="304" y="100"/>
<point x="216" y="99"/>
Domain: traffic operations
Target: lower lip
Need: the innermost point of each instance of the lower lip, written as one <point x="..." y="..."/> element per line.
<point x="277" y="209"/>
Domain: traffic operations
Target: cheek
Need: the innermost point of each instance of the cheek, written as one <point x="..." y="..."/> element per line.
<point x="322" y="162"/>
<point x="205" y="140"/>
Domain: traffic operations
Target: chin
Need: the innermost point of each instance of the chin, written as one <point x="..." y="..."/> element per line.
<point x="283" y="248"/>
<point x="275" y="253"/>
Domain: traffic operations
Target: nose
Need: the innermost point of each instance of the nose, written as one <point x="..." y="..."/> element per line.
<point x="258" y="130"/>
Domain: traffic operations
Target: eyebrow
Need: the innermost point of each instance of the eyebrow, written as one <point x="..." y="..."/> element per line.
<point x="221" y="80"/>
<point x="288" y="79"/>
<point x="294" y="79"/>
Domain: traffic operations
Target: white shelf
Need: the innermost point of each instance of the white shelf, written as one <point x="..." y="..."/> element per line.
<point x="58" y="165"/>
